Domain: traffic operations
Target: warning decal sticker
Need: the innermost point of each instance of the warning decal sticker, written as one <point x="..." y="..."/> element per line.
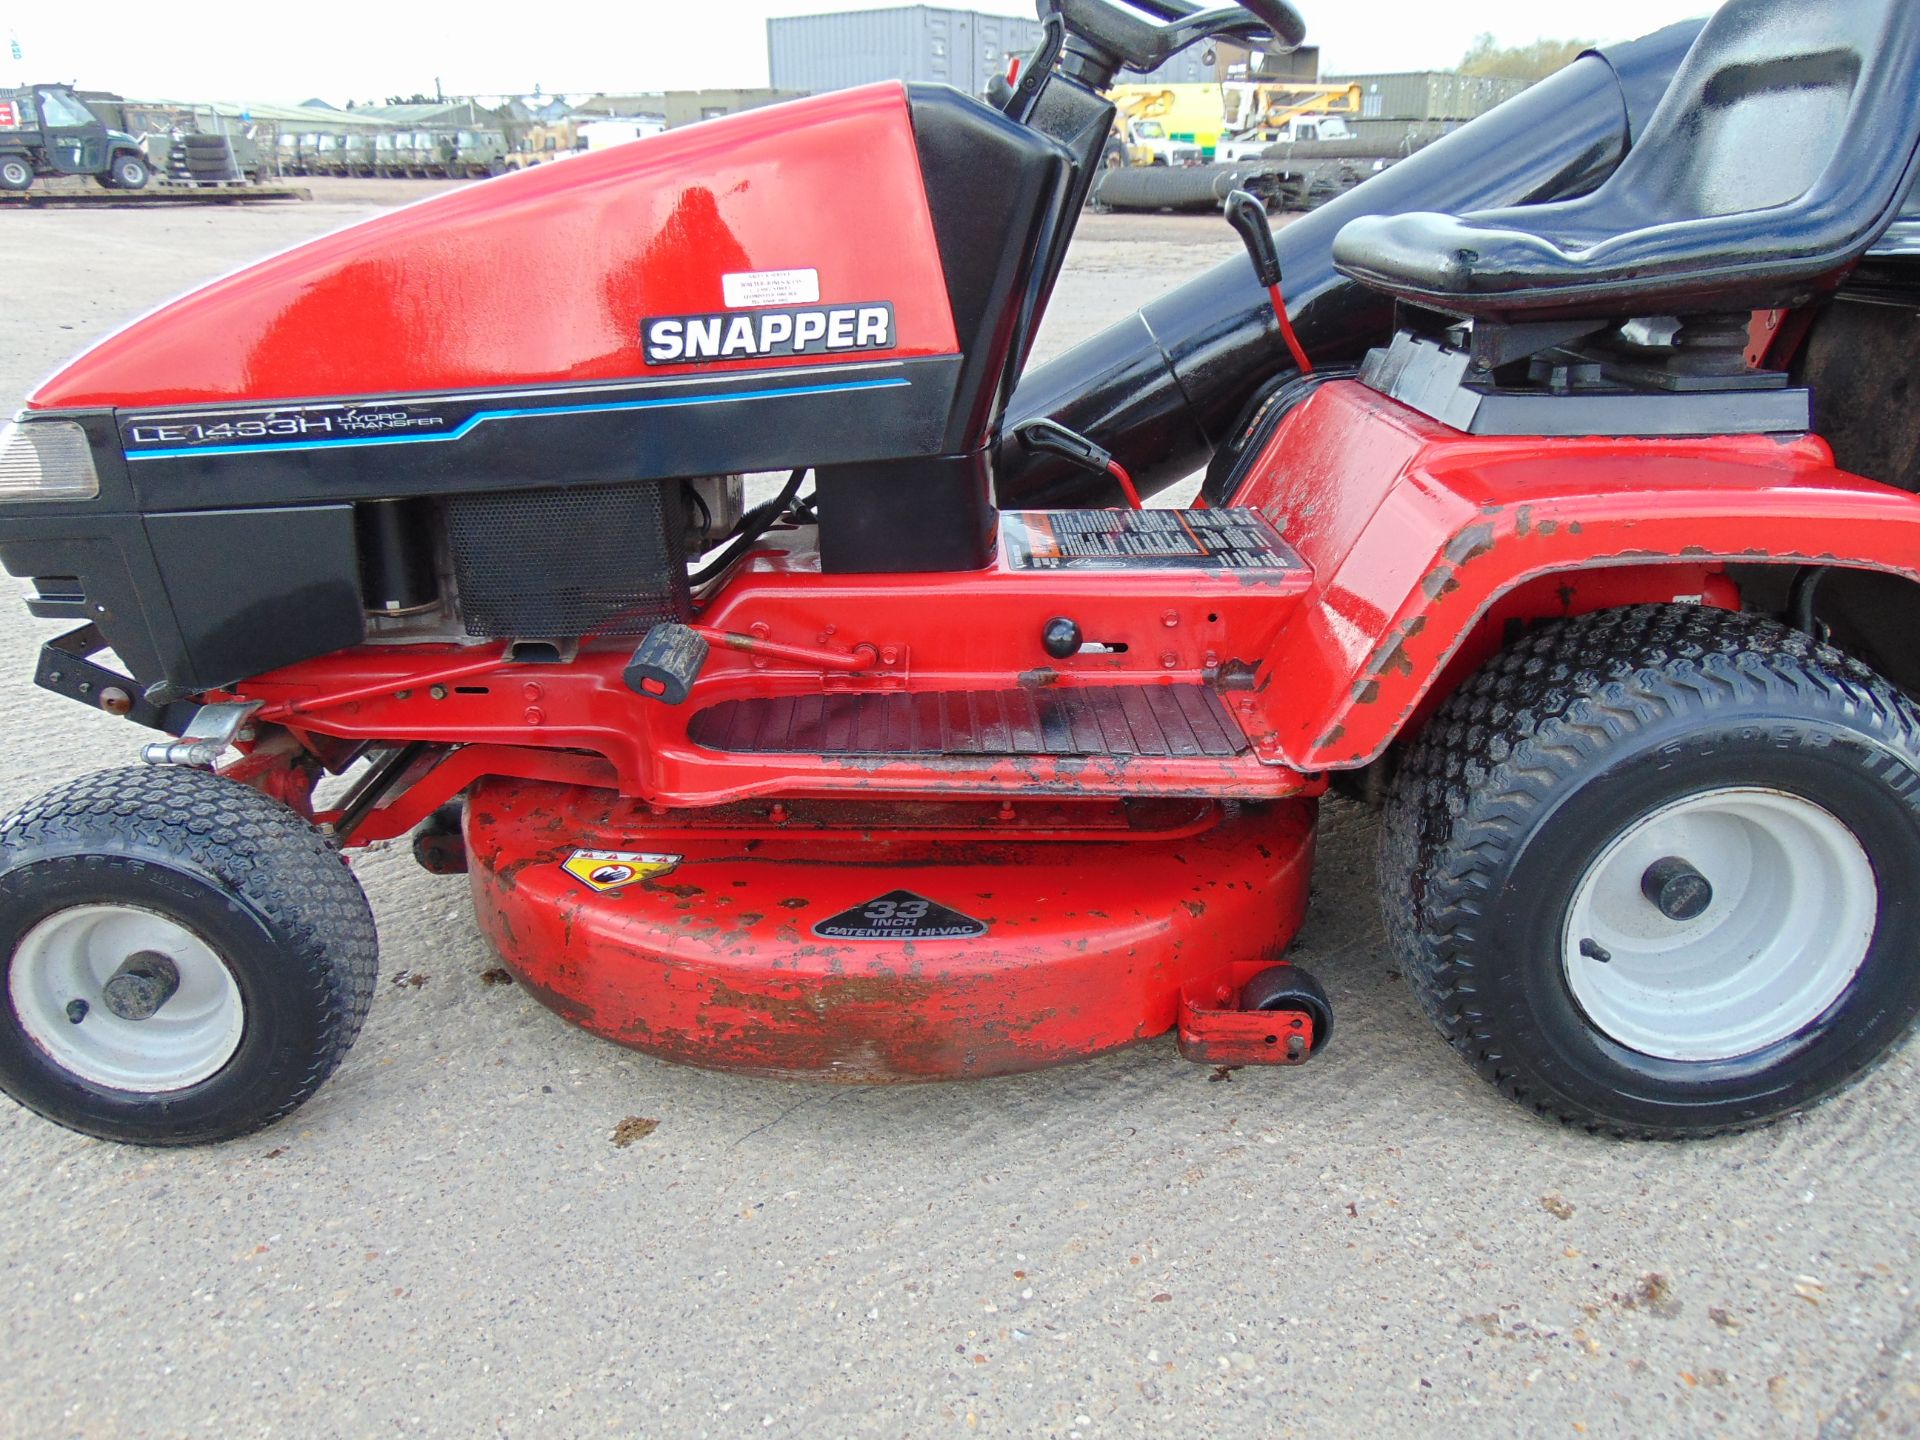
<point x="605" y="870"/>
<point x="900" y="915"/>
<point x="1143" y="540"/>
<point x="747" y="288"/>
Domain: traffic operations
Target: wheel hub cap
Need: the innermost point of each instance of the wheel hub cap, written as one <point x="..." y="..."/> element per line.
<point x="126" y="998"/>
<point x="1720" y="925"/>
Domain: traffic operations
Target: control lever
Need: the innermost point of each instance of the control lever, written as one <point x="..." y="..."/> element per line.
<point x="1249" y="219"/>
<point x="665" y="664"/>
<point x="1050" y="437"/>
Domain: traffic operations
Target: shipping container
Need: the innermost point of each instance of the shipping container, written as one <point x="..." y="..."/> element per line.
<point x="913" y="42"/>
<point x="1430" y="94"/>
<point x="962" y="48"/>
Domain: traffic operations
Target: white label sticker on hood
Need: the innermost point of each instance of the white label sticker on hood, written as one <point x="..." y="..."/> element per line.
<point x="771" y="287"/>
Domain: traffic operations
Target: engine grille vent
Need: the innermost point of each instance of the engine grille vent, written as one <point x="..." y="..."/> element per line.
<point x="558" y="563"/>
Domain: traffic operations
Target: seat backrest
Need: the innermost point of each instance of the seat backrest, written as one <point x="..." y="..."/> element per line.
<point x="1783" y="101"/>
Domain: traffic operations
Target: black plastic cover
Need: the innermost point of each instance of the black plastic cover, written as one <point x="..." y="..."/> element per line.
<point x="903" y="516"/>
<point x="993" y="190"/>
<point x="253" y="590"/>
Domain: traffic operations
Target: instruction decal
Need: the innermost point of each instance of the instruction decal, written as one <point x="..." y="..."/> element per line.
<point x="604" y="870"/>
<point x="747" y="289"/>
<point x="900" y="915"/>
<point x="1227" y="539"/>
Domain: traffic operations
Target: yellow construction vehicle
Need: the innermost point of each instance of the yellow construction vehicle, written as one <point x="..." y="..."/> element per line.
<point x="1165" y="124"/>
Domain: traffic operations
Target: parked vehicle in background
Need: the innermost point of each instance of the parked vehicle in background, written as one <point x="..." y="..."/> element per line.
<point x="543" y="143"/>
<point x="356" y="154"/>
<point x="48" y="130"/>
<point x="1252" y="144"/>
<point x="1147" y="143"/>
<point x="1169" y="124"/>
<point x="618" y="130"/>
<point x="477" y="154"/>
<point x="389" y="155"/>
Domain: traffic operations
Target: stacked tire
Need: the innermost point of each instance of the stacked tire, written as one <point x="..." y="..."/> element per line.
<point x="210" y="160"/>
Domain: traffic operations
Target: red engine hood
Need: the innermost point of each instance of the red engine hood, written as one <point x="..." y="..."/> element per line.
<point x="545" y="275"/>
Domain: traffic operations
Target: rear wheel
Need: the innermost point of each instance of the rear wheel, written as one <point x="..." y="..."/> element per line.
<point x="15" y="173"/>
<point x="1651" y="871"/>
<point x="185" y="960"/>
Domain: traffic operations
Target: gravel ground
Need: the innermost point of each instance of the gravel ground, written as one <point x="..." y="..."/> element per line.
<point x="447" y="1241"/>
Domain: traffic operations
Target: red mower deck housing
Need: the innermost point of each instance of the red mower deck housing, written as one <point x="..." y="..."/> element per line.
<point x="937" y="941"/>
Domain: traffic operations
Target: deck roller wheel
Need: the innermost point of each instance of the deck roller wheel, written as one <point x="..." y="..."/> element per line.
<point x="1650" y="870"/>
<point x="184" y="959"/>
<point x="1288" y="987"/>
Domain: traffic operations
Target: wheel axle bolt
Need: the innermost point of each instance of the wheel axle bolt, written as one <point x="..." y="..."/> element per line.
<point x="1676" y="889"/>
<point x="144" y="982"/>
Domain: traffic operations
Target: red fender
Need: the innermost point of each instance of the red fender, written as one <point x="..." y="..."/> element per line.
<point x="1414" y="531"/>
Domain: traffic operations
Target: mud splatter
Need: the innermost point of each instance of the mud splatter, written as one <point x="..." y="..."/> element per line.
<point x="633" y="1128"/>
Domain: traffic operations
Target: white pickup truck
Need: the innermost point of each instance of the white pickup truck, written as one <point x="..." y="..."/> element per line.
<point x="1252" y="144"/>
<point x="1147" y="143"/>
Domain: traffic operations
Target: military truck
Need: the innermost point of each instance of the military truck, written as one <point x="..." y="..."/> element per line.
<point x="48" y="130"/>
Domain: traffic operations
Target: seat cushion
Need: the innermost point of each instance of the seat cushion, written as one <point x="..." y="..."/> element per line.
<point x="1782" y="149"/>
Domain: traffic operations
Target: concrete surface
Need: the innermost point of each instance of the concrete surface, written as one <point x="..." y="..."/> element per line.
<point x="448" y="1242"/>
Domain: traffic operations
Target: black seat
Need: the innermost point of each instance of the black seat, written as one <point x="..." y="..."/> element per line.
<point x="1784" y="147"/>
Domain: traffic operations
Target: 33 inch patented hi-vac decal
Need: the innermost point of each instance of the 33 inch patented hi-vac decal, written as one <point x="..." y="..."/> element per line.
<point x="900" y="915"/>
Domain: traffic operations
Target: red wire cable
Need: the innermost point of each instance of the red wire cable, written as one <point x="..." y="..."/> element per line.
<point x="1286" y="331"/>
<point x="1119" y="472"/>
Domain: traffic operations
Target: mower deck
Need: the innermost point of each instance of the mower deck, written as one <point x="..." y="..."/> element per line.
<point x="894" y="942"/>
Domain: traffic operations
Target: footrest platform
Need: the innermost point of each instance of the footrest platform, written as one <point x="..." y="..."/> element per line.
<point x="1108" y="720"/>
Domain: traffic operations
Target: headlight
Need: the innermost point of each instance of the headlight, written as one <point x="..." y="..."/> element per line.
<point x="46" y="460"/>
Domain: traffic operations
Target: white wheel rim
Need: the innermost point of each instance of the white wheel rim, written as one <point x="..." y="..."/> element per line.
<point x="70" y="956"/>
<point x="1794" y="908"/>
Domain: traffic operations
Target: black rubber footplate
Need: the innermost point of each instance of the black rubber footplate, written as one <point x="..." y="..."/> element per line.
<point x="1134" y="720"/>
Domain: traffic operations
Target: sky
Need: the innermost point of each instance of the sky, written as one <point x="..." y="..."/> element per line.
<point x="291" y="51"/>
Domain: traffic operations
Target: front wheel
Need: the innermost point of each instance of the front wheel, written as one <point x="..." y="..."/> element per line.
<point x="185" y="960"/>
<point x="129" y="172"/>
<point x="1653" y="871"/>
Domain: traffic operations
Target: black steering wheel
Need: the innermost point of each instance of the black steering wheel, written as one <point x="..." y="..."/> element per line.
<point x="1131" y="39"/>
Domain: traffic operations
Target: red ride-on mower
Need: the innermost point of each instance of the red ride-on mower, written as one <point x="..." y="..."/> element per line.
<point x="1560" y="503"/>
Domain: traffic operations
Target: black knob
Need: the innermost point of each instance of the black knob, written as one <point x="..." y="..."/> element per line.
<point x="1061" y="638"/>
<point x="1677" y="890"/>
